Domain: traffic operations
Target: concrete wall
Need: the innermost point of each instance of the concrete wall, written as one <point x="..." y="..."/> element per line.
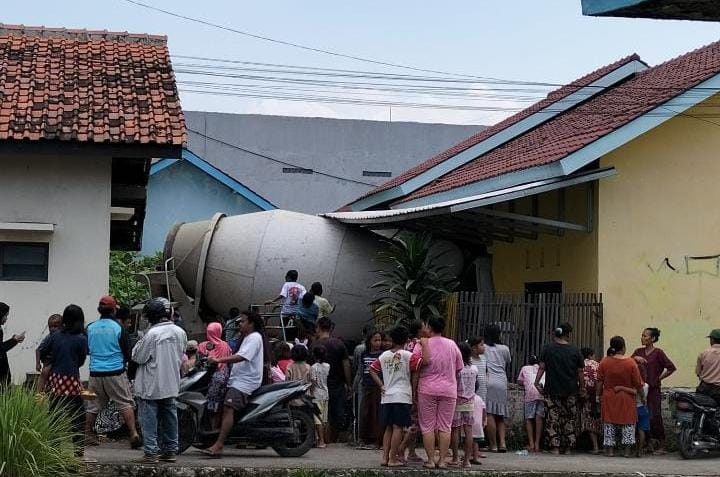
<point x="656" y="213"/>
<point x="184" y="193"/>
<point x="571" y="258"/>
<point x="74" y="194"/>
<point x="339" y="147"/>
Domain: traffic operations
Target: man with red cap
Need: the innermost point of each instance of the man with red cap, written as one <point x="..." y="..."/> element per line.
<point x="110" y="352"/>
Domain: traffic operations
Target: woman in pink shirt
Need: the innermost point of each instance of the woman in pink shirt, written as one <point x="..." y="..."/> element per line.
<point x="437" y="390"/>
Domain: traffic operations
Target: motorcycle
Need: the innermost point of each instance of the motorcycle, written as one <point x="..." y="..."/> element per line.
<point x="697" y="419"/>
<point x="278" y="415"/>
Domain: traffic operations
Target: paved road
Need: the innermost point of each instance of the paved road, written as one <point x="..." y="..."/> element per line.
<point x="341" y="456"/>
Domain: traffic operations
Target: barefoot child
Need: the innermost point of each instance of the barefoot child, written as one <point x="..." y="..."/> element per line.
<point x="318" y="376"/>
<point x="464" y="409"/>
<point x="534" y="404"/>
<point x="396" y="367"/>
<point x="480" y="418"/>
<point x="409" y="441"/>
<point x="43" y="366"/>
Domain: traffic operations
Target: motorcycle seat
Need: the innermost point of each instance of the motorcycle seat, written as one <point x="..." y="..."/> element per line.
<point x="700" y="399"/>
<point x="275" y="387"/>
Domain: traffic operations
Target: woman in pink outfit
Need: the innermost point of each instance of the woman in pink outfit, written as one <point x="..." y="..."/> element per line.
<point x="216" y="348"/>
<point x="437" y="391"/>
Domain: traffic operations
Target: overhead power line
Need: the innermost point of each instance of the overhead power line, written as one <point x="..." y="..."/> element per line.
<point x="296" y="45"/>
<point x="278" y="161"/>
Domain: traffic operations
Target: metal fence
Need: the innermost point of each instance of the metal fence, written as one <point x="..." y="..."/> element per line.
<point x="527" y="320"/>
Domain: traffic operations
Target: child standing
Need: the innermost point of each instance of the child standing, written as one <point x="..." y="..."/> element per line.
<point x="410" y="439"/>
<point x="299" y="370"/>
<point x="478" y="434"/>
<point x="643" y="422"/>
<point x="370" y="432"/>
<point x="396" y="366"/>
<point x="590" y="411"/>
<point x="464" y="408"/>
<point x="534" y="404"/>
<point x="43" y="366"/>
<point x="318" y="377"/>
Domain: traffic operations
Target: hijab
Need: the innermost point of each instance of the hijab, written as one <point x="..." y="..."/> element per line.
<point x="220" y="348"/>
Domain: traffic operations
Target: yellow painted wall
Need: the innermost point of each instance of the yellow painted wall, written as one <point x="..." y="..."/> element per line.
<point x="571" y="258"/>
<point x="663" y="204"/>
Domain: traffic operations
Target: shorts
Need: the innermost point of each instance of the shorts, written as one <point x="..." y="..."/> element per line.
<point x="643" y="422"/>
<point x="435" y="413"/>
<point x="235" y="399"/>
<point x="463" y="418"/>
<point x="534" y="409"/>
<point x="110" y="388"/>
<point x="395" y="414"/>
<point x="322" y="405"/>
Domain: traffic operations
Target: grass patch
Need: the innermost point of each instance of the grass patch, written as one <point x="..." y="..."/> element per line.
<point x="35" y="439"/>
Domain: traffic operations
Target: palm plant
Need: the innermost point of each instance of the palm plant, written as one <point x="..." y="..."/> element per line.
<point x="414" y="281"/>
<point x="35" y="438"/>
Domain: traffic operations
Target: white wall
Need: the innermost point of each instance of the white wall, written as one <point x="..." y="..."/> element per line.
<point x="73" y="193"/>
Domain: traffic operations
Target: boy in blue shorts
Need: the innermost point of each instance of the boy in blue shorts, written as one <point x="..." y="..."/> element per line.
<point x="643" y="423"/>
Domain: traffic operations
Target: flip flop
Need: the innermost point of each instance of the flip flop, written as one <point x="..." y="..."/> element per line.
<point x="397" y="464"/>
<point x="475" y="462"/>
<point x="208" y="454"/>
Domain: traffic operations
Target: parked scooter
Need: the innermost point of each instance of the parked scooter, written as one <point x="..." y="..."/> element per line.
<point x="697" y="417"/>
<point x="268" y="420"/>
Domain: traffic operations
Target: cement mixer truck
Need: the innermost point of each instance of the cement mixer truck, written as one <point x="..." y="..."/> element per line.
<point x="239" y="261"/>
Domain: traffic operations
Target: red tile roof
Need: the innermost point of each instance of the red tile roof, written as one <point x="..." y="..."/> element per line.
<point x="587" y="122"/>
<point x="551" y="98"/>
<point x="87" y="86"/>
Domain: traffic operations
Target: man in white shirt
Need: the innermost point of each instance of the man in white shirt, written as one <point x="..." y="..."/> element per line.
<point x="245" y="377"/>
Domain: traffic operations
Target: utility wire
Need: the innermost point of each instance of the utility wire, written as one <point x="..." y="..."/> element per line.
<point x="279" y="161"/>
<point x="296" y="45"/>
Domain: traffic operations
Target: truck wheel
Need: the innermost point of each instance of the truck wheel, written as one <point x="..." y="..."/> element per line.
<point x="304" y="426"/>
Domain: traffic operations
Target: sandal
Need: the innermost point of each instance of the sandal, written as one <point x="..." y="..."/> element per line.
<point x="475" y="462"/>
<point x="208" y="454"/>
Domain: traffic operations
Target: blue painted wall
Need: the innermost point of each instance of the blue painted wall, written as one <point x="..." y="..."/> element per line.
<point x="184" y="193"/>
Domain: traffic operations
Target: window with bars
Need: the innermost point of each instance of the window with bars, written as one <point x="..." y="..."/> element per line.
<point x="24" y="261"/>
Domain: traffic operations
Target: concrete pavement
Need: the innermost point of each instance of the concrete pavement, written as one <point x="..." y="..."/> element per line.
<point x="114" y="459"/>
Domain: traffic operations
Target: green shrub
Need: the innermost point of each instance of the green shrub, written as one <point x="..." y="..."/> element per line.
<point x="35" y="440"/>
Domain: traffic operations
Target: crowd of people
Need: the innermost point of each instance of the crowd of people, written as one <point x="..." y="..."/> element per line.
<point x="401" y="383"/>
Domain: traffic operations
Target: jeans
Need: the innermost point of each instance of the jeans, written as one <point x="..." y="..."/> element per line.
<point x="159" y="425"/>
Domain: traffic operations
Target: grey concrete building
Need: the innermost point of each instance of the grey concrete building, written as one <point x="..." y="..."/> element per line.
<point x="314" y="165"/>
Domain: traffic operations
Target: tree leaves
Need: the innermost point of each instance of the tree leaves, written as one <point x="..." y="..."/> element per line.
<point x="124" y="267"/>
<point x="414" y="281"/>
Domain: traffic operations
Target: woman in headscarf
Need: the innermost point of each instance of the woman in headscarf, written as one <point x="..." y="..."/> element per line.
<point x="216" y="348"/>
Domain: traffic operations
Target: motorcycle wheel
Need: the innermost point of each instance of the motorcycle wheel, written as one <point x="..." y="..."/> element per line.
<point x="685" y="441"/>
<point x="187" y="427"/>
<point x="304" y="425"/>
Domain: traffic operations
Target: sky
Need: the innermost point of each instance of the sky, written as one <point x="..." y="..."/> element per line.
<point x="546" y="41"/>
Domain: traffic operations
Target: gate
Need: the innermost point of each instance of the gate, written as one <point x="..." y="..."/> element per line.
<point x="526" y="321"/>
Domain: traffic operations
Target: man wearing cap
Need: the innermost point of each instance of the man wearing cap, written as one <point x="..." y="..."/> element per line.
<point x="109" y="350"/>
<point x="708" y="368"/>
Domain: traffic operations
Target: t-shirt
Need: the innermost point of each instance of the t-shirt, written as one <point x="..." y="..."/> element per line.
<point x="439" y="378"/>
<point x="65" y="352"/>
<point x="324" y="306"/>
<point x="562" y="362"/>
<point x="367" y="359"/>
<point x="246" y="376"/>
<point x="298" y="372"/>
<point x="396" y="368"/>
<point x="467" y="382"/>
<point x="335" y="354"/>
<point x="480" y="364"/>
<point x="527" y="379"/>
<point x="319" y="377"/>
<point x="292" y="293"/>
<point x="310" y="313"/>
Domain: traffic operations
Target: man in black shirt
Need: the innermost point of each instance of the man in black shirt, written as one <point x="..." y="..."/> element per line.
<point x="339" y="379"/>
<point x="5" y="346"/>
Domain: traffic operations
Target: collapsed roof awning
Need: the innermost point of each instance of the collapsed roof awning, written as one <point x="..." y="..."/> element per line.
<point x="471" y="219"/>
<point x="660" y="9"/>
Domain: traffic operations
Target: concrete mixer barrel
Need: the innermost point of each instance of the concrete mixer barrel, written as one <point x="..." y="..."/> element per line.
<point x="241" y="260"/>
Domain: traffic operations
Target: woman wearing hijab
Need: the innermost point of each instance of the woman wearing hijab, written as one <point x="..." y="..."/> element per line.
<point x="216" y="348"/>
